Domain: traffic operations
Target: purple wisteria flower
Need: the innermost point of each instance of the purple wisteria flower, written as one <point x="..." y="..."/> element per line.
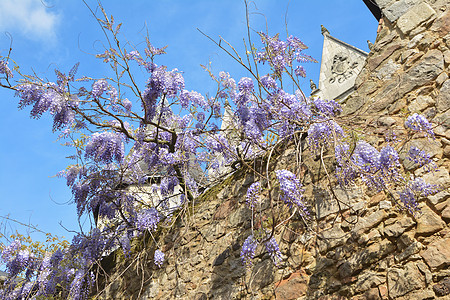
<point x="147" y="219"/>
<point x="291" y="190"/>
<point x="280" y="54"/>
<point x="274" y="250"/>
<point x="4" y="68"/>
<point x="192" y="98"/>
<point x="169" y="83"/>
<point x="328" y="108"/>
<point x="248" y="251"/>
<point x="300" y="71"/>
<point x="245" y="91"/>
<point x="376" y="168"/>
<point x="419" y="123"/>
<point x="324" y="133"/>
<point x="99" y="87"/>
<point x="105" y="147"/>
<point x="421" y="158"/>
<point x="253" y="197"/>
<point x="50" y="98"/>
<point x="413" y="191"/>
<point x="268" y="82"/>
<point x="81" y="283"/>
<point x="159" y="258"/>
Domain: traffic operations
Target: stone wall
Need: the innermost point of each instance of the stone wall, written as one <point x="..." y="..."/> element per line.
<point x="359" y="245"/>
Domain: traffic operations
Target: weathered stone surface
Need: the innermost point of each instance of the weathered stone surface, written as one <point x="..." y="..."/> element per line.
<point x="367" y="280"/>
<point x="374" y="61"/>
<point x="262" y="274"/>
<point x="443" y="100"/>
<point x="383" y="3"/>
<point x="425" y="271"/>
<point x="440" y="177"/>
<point x="441" y="25"/>
<point x="420" y="103"/>
<point x="442" y="288"/>
<point x="385" y="204"/>
<point x="442" y="77"/>
<point x="429" y="222"/>
<point x="447" y="56"/>
<point x="353" y="105"/>
<point x="345" y="199"/>
<point x="422" y="294"/>
<point x="402" y="280"/>
<point x="437" y="254"/>
<point x="427" y="69"/>
<point x="412" y="249"/>
<point x="292" y="288"/>
<point x="398" y="9"/>
<point x="439" y="197"/>
<point x="397" y="228"/>
<point x="370" y="221"/>
<point x="369" y="255"/>
<point x="414" y="41"/>
<point x="445" y="214"/>
<point x="414" y="17"/>
<point x="331" y="238"/>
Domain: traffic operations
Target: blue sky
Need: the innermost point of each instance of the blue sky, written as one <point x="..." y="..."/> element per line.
<point x="62" y="33"/>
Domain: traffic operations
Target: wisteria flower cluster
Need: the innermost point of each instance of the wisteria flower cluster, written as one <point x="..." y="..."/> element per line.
<point x="420" y="124"/>
<point x="291" y="190"/>
<point x="376" y="168"/>
<point x="413" y="191"/>
<point x="4" y="68"/>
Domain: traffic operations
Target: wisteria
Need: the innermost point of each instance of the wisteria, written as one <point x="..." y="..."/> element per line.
<point x="147" y="219"/>
<point x="4" y="68"/>
<point x="421" y="158"/>
<point x="159" y="258"/>
<point x="419" y="123"/>
<point x="105" y="147"/>
<point x="145" y="150"/>
<point x="253" y="195"/>
<point x="415" y="189"/>
<point x="274" y="250"/>
<point x="324" y="134"/>
<point x="291" y="190"/>
<point x="248" y="250"/>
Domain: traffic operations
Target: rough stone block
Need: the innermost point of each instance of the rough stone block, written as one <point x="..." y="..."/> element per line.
<point x="442" y="24"/>
<point x="414" y="17"/>
<point x="428" y="68"/>
<point x="412" y="249"/>
<point x="398" y="9"/>
<point x="367" y="280"/>
<point x="442" y="288"/>
<point x="439" y="197"/>
<point x="331" y="238"/>
<point x="370" y="221"/>
<point x="420" y="103"/>
<point x="404" y="280"/>
<point x="440" y="177"/>
<point x="383" y="3"/>
<point x="443" y="100"/>
<point x="400" y="226"/>
<point x="429" y="222"/>
<point x="387" y="70"/>
<point x="437" y="254"/>
<point x="292" y="288"/>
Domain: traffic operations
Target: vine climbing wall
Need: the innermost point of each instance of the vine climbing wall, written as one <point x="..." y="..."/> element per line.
<point x="357" y="244"/>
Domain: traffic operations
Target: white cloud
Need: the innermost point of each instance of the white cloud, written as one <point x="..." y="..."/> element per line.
<point x="31" y="18"/>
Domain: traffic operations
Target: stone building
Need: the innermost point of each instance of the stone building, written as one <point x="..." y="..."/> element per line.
<point x="339" y="67"/>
